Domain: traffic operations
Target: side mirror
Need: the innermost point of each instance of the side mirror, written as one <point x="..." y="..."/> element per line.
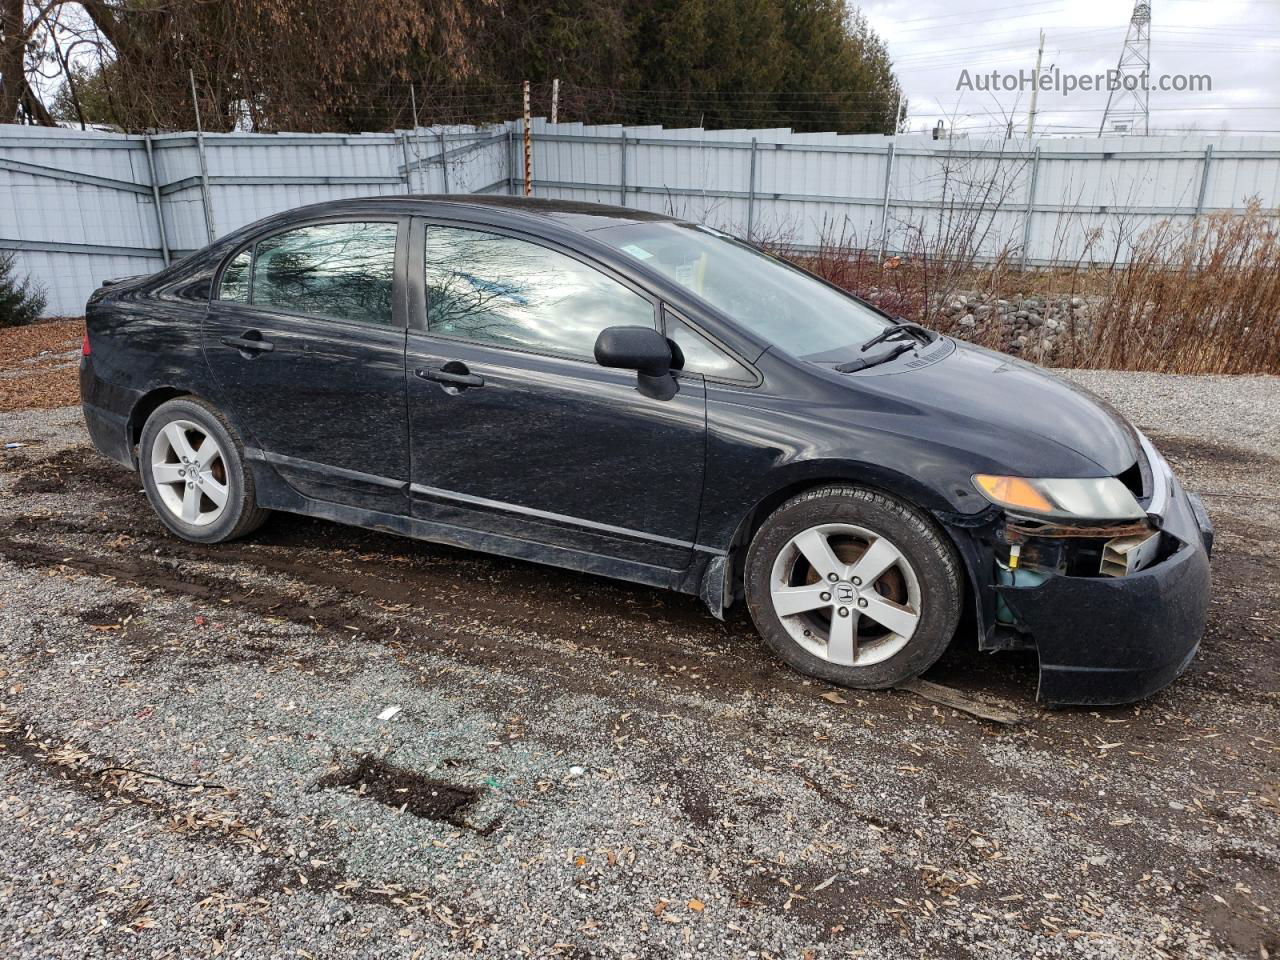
<point x="644" y="350"/>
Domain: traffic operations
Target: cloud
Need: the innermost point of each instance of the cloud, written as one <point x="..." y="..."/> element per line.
<point x="1236" y="43"/>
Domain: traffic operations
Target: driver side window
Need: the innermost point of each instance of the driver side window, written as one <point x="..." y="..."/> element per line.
<point x="512" y="293"/>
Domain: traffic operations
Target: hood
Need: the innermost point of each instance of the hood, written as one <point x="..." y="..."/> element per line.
<point x="983" y="392"/>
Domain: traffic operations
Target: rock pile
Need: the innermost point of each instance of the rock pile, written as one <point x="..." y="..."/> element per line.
<point x="1031" y="325"/>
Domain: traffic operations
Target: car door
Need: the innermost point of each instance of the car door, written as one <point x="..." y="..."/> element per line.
<point x="514" y="429"/>
<point x="305" y="337"/>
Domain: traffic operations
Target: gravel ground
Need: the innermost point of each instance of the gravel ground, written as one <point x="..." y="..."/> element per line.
<point x="196" y="756"/>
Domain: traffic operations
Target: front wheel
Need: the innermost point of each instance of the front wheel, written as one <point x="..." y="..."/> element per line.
<point x="192" y="466"/>
<point x="854" y="587"/>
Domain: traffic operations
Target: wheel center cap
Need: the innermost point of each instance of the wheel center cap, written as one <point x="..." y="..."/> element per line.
<point x="845" y="592"/>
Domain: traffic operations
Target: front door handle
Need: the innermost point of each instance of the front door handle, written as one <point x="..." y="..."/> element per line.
<point x="252" y="344"/>
<point x="453" y="374"/>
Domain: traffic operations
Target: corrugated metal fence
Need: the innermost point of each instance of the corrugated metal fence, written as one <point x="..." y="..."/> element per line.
<point x="80" y="207"/>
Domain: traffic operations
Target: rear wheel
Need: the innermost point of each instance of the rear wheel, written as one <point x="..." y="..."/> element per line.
<point x="192" y="466"/>
<point x="854" y="587"/>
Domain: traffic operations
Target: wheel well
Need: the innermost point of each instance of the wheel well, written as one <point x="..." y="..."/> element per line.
<point x="147" y="406"/>
<point x="755" y="518"/>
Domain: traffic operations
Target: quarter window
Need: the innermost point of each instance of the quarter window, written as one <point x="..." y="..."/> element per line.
<point x="701" y="357"/>
<point x="509" y="292"/>
<point x="235" y="278"/>
<point x="342" y="271"/>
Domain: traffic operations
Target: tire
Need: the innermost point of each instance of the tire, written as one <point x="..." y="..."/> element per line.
<point x="796" y="604"/>
<point x="173" y="450"/>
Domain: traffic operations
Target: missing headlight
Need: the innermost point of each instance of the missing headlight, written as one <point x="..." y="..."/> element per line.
<point x="1125" y="555"/>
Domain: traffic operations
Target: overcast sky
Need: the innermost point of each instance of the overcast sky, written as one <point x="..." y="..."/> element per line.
<point x="1235" y="42"/>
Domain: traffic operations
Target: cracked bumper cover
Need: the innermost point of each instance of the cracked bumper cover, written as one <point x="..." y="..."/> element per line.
<point x="1113" y="640"/>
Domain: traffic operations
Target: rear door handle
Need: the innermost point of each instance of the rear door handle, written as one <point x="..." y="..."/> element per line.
<point x="249" y="343"/>
<point x="457" y="377"/>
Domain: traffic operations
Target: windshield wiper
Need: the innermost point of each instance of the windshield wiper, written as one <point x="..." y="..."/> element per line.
<point x="901" y="328"/>
<point x="897" y="350"/>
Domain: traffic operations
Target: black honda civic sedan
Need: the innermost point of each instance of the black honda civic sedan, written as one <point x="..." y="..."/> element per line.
<point x="643" y="398"/>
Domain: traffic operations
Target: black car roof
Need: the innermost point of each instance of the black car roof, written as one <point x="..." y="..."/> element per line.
<point x="570" y="214"/>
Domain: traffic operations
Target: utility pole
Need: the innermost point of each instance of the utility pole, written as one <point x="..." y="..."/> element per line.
<point x="417" y="128"/>
<point x="1035" y="90"/>
<point x="1130" y="106"/>
<point x="555" y="101"/>
<point x="888" y="181"/>
<point x="210" y="230"/>
<point x="528" y="146"/>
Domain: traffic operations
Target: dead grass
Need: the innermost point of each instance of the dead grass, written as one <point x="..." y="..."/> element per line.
<point x="1201" y="297"/>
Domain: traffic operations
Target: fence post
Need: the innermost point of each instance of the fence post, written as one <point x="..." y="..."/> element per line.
<point x="1204" y="179"/>
<point x="209" y="229"/>
<point x="884" y="208"/>
<point x="155" y="196"/>
<point x="422" y="137"/>
<point x="511" y="161"/>
<point x="444" y="161"/>
<point x="751" y="194"/>
<point x="622" y="169"/>
<point x="528" y="145"/>
<point x="1031" y="199"/>
<point x="408" y="166"/>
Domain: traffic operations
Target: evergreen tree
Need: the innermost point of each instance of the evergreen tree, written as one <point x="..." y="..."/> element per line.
<point x="21" y="302"/>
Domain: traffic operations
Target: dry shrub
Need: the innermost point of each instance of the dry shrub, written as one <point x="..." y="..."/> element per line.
<point x="1202" y="297"/>
<point x="1198" y="297"/>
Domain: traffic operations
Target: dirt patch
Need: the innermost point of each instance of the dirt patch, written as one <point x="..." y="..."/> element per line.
<point x="404" y="790"/>
<point x="110" y="616"/>
<point x="68" y="469"/>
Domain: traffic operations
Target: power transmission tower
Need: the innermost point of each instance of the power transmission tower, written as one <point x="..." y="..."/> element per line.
<point x="1129" y="106"/>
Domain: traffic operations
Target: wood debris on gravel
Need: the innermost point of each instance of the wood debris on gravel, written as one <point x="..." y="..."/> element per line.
<point x="40" y="365"/>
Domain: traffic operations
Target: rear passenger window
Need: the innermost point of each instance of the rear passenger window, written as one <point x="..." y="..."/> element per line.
<point x="343" y="271"/>
<point x="235" y="278"/>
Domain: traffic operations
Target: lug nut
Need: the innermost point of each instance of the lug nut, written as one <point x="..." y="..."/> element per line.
<point x="832" y="577"/>
<point x="826" y="597"/>
<point x="862" y="602"/>
<point x="857" y="581"/>
<point x="844" y="611"/>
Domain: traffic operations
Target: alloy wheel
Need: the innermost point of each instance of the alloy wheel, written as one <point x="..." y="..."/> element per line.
<point x="846" y="594"/>
<point x="190" y="472"/>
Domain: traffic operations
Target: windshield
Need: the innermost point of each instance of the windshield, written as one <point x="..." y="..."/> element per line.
<point x="766" y="296"/>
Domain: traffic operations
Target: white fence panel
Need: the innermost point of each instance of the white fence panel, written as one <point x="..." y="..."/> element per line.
<point x="80" y="207"/>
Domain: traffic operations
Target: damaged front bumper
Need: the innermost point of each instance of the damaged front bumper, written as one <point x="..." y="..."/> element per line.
<point x="1114" y="639"/>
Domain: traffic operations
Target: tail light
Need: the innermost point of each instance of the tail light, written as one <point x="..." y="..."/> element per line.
<point x="84" y="346"/>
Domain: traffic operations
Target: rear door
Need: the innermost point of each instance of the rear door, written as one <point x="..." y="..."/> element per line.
<point x="305" y="336"/>
<point x="514" y="427"/>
